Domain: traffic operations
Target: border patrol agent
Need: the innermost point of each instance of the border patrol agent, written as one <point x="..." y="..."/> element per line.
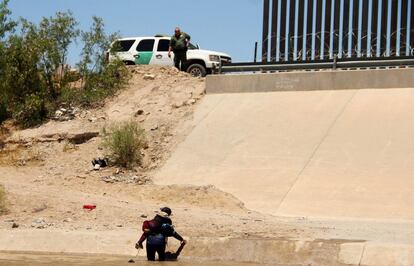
<point x="179" y="46"/>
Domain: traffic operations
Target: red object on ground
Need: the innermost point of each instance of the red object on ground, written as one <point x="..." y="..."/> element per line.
<point x="89" y="207"/>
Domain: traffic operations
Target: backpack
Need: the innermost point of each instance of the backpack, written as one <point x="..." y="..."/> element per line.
<point x="150" y="227"/>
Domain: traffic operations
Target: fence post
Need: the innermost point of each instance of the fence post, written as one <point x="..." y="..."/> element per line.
<point x="335" y="61"/>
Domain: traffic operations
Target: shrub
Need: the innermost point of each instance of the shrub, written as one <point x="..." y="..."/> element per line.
<point x="32" y="112"/>
<point x="3" y="208"/>
<point x="100" y="79"/>
<point x="34" y="72"/>
<point x="3" y="111"/>
<point x="124" y="143"/>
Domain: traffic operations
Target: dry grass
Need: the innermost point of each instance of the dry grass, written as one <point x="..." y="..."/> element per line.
<point x="124" y="143"/>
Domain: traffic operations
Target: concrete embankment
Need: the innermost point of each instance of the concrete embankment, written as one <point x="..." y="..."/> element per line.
<point x="341" y="153"/>
<point x="312" y="80"/>
<point x="331" y="145"/>
<point x="261" y="251"/>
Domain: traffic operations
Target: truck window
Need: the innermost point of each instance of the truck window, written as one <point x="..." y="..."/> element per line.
<point x="146" y="45"/>
<point x="163" y="45"/>
<point x="122" y="46"/>
<point x="192" y="47"/>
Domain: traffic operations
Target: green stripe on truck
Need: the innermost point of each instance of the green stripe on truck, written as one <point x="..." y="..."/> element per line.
<point x="143" y="58"/>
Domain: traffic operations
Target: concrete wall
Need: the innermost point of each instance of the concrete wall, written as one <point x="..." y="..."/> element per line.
<point x="270" y="251"/>
<point x="311" y="80"/>
<point x="326" y="153"/>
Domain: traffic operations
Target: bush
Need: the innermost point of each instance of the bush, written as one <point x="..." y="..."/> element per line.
<point x="3" y="111"/>
<point x="3" y="208"/>
<point x="32" y="112"/>
<point x="124" y="143"/>
<point x="100" y="79"/>
<point x="34" y="72"/>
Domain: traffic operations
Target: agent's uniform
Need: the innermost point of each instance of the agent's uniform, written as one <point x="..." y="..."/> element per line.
<point x="179" y="46"/>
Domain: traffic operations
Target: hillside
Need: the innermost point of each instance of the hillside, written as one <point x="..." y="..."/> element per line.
<point x="48" y="174"/>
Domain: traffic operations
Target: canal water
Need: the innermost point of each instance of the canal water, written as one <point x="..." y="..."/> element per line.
<point x="17" y="259"/>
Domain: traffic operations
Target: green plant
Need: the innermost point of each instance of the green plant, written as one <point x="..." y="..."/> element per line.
<point x="3" y="110"/>
<point x="100" y="78"/>
<point x="35" y="77"/>
<point x="6" y="25"/>
<point x="32" y="112"/>
<point x="3" y="208"/>
<point x="124" y="143"/>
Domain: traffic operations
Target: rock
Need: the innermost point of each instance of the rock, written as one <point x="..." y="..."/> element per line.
<point x="139" y="112"/>
<point x="129" y="179"/>
<point x="58" y="113"/>
<point x="144" y="216"/>
<point x="191" y="102"/>
<point x="109" y="179"/>
<point x="89" y="227"/>
<point x="15" y="225"/>
<point x="65" y="114"/>
<point x="154" y="127"/>
<point x="96" y="167"/>
<point x="39" y="220"/>
<point x="80" y="138"/>
<point x="74" y="111"/>
<point x="9" y="221"/>
<point x="119" y="225"/>
<point x="40" y="208"/>
<point x="39" y="223"/>
<point x="92" y="119"/>
<point x="178" y="105"/>
<point x="149" y="77"/>
<point x="67" y="220"/>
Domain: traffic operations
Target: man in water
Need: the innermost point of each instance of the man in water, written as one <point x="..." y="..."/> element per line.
<point x="156" y="232"/>
<point x="179" y="45"/>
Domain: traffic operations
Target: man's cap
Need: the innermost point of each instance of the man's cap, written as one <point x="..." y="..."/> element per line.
<point x="166" y="210"/>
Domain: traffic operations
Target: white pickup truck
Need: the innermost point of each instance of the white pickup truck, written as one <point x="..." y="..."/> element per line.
<point x="154" y="51"/>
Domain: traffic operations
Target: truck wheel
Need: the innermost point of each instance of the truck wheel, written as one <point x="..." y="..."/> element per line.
<point x="197" y="70"/>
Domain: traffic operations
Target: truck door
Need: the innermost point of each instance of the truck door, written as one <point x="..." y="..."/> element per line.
<point x="161" y="54"/>
<point x="145" y="50"/>
<point x="122" y="50"/>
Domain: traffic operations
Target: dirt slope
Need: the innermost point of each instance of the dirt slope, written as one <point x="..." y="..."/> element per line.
<point x="48" y="174"/>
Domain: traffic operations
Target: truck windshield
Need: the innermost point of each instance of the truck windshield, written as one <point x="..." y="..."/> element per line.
<point x="192" y="47"/>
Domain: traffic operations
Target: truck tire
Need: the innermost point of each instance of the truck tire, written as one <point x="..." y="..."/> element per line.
<point x="197" y="70"/>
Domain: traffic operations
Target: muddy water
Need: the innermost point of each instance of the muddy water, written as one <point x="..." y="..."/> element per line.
<point x="16" y="259"/>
